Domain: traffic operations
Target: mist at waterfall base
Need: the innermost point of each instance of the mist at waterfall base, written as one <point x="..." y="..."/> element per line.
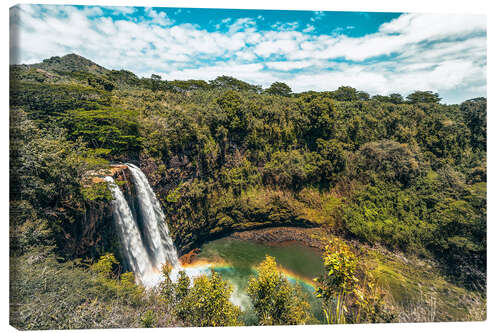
<point x="146" y="246"/>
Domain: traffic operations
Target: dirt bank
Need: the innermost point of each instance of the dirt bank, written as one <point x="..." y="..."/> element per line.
<point x="279" y="236"/>
<point x="282" y="235"/>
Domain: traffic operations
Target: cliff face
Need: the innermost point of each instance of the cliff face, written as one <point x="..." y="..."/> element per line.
<point x="194" y="218"/>
<point x="95" y="234"/>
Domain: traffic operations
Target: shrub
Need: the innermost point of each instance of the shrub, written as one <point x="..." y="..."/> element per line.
<point x="207" y="303"/>
<point x="275" y="301"/>
<point x="348" y="289"/>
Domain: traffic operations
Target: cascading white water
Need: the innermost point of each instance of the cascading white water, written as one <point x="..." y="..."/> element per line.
<point x="147" y="245"/>
<point x="133" y="247"/>
<point x="155" y="228"/>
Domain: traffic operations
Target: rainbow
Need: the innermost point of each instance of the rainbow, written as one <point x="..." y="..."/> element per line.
<point x="204" y="266"/>
<point x="296" y="278"/>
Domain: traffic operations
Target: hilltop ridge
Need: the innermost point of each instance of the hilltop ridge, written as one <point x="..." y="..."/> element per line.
<point x="70" y="63"/>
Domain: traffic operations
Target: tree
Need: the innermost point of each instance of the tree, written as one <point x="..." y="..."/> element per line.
<point x="320" y="113"/>
<point x="346" y="299"/>
<point x="280" y="89"/>
<point x="333" y="152"/>
<point x="275" y="301"/>
<point x="187" y="85"/>
<point x="105" y="265"/>
<point x="423" y="97"/>
<point x="392" y="98"/>
<point x="231" y="83"/>
<point x="460" y="238"/>
<point x="207" y="303"/>
<point x="46" y="193"/>
<point x="110" y="128"/>
<point x="236" y="122"/>
<point x="166" y="287"/>
<point x="123" y="77"/>
<point x="100" y="83"/>
<point x="338" y="282"/>
<point x="181" y="288"/>
<point x="345" y="93"/>
<point x="363" y="96"/>
<point x="155" y="82"/>
<point x="291" y="169"/>
<point x="389" y="159"/>
<point x="474" y="113"/>
<point x="396" y="98"/>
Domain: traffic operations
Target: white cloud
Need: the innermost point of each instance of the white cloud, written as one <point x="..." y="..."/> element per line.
<point x="245" y="55"/>
<point x="395" y="36"/>
<point x="251" y="73"/>
<point x="242" y="24"/>
<point x="288" y="65"/>
<point x="432" y="52"/>
<point x="159" y="18"/>
<point x="282" y="46"/>
<point x="287" y="26"/>
<point x="121" y="10"/>
<point x="309" y="28"/>
<point x="318" y="15"/>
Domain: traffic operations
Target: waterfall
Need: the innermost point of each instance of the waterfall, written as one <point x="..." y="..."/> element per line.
<point x="145" y="241"/>
<point x="130" y="237"/>
<point x="156" y="230"/>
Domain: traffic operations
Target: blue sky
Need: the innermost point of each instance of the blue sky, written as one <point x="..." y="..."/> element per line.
<point x="380" y="53"/>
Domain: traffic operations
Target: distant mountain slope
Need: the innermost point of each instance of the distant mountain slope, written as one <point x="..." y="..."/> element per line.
<point x="70" y="63"/>
<point x="71" y="68"/>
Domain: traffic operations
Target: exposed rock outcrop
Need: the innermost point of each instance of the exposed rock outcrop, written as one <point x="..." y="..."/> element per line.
<point x="117" y="171"/>
<point x="188" y="258"/>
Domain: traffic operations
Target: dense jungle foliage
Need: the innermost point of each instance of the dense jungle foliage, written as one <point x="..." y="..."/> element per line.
<point x="405" y="173"/>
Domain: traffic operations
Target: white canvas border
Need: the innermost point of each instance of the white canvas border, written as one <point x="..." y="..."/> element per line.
<point x="422" y="6"/>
